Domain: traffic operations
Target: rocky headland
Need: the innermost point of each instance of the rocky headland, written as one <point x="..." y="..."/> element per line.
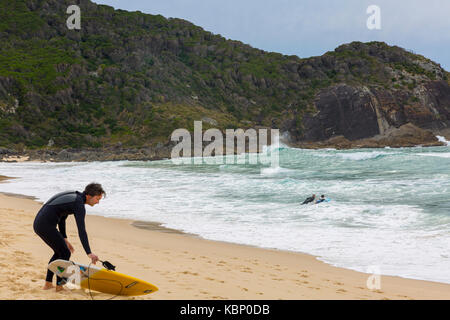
<point x="117" y="88"/>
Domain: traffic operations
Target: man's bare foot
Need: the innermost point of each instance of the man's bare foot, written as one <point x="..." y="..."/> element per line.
<point x="60" y="288"/>
<point x="47" y="285"/>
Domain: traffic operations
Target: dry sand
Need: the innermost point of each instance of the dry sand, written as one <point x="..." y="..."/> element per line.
<point x="182" y="266"/>
<point x="15" y="158"/>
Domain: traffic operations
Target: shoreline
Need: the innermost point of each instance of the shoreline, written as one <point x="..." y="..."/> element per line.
<point x="186" y="266"/>
<point x="163" y="151"/>
<point x="157" y="227"/>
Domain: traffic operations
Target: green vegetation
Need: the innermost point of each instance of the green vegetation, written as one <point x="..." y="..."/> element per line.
<point x="16" y="18"/>
<point x="33" y="63"/>
<point x="134" y="77"/>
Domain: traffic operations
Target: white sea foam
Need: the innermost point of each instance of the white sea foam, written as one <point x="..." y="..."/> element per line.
<point x="272" y="171"/>
<point x="432" y="154"/>
<point x="442" y="139"/>
<point x="358" y="156"/>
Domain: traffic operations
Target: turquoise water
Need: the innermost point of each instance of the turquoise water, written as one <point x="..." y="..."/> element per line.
<point x="389" y="208"/>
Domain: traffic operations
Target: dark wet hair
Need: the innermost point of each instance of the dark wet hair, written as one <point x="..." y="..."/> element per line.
<point x="94" y="189"/>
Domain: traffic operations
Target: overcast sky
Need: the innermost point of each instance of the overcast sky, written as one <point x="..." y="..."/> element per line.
<point x="312" y="27"/>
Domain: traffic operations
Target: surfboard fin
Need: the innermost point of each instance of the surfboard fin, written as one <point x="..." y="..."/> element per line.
<point x="108" y="265"/>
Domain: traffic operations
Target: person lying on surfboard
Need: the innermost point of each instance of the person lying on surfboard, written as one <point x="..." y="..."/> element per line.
<point x="310" y="199"/>
<point x="54" y="213"/>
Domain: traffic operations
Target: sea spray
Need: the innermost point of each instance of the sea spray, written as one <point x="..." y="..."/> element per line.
<point x="442" y="139"/>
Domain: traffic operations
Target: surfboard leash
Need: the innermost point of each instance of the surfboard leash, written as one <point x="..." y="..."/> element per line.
<point x="108" y="266"/>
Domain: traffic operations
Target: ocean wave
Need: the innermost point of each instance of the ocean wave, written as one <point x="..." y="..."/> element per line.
<point x="272" y="171"/>
<point x="442" y="139"/>
<point x="361" y="156"/>
<point x="435" y="154"/>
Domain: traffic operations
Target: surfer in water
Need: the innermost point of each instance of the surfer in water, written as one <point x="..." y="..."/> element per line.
<point x="321" y="199"/>
<point x="310" y="199"/>
<point x="54" y="213"/>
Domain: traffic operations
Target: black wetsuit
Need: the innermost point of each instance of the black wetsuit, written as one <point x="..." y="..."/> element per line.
<point x="54" y="213"/>
<point x="308" y="200"/>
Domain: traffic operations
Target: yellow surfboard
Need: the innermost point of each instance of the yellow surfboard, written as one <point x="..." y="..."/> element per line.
<point x="101" y="279"/>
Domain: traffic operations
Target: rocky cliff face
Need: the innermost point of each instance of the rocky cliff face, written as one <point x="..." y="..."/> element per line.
<point x="358" y="112"/>
<point x="410" y="92"/>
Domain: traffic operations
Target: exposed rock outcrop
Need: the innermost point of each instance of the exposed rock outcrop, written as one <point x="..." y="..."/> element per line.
<point x="389" y="117"/>
<point x="407" y="135"/>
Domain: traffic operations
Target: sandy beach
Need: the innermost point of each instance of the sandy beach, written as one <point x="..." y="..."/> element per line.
<point x="182" y="266"/>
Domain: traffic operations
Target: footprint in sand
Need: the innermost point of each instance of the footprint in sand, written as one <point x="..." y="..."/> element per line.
<point x="277" y="279"/>
<point x="190" y="273"/>
<point x="378" y="291"/>
<point x="4" y="244"/>
<point x="246" y="270"/>
<point x="144" y="266"/>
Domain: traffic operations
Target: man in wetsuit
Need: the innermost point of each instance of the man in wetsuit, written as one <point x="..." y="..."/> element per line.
<point x="54" y="213"/>
<point x="310" y="199"/>
<point x="321" y="199"/>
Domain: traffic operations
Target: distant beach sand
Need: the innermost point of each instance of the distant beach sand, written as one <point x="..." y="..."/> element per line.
<point x="182" y="266"/>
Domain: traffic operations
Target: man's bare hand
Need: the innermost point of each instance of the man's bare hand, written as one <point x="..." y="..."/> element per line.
<point x="93" y="257"/>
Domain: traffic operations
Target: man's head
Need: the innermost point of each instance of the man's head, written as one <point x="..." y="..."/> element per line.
<point x="94" y="192"/>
